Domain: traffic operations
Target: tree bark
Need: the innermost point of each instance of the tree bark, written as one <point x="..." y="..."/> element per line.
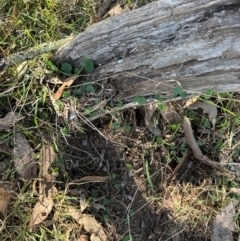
<point x="152" y="49"/>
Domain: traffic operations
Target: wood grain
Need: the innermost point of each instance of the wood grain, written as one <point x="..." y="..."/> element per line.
<point x="196" y="43"/>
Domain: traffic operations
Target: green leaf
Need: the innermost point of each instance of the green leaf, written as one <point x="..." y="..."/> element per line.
<point x="88" y="110"/>
<point x="191" y="114"/>
<point x="64" y="130"/>
<point x="127" y="128"/>
<point x="208" y="94"/>
<point x="174" y="127"/>
<point x="111" y="104"/>
<point x="114" y="176"/>
<point x="79" y="91"/>
<point x="97" y="101"/>
<point x="94" y="193"/>
<point x="120" y="104"/>
<point x="106" y="218"/>
<point x="159" y="140"/>
<point x="66" y="94"/>
<point x="128" y="165"/>
<point x="77" y="70"/>
<point x="66" y="68"/>
<point x="131" y="212"/>
<point x="106" y="201"/>
<point x="178" y="91"/>
<point x="51" y="66"/>
<point x="90" y="88"/>
<point x="117" y="186"/>
<point x="116" y="126"/>
<point x="234" y="184"/>
<point x="88" y="65"/>
<point x="60" y="161"/>
<point x="159" y="97"/>
<point x="162" y="106"/>
<point x="139" y="100"/>
<point x="206" y="123"/>
<point x="127" y="238"/>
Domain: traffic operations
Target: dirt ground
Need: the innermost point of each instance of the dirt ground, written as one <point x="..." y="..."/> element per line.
<point x="179" y="207"/>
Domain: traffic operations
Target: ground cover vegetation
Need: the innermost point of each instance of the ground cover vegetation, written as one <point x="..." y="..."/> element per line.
<point x="78" y="165"/>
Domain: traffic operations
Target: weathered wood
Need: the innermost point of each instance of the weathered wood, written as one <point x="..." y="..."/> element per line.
<point x="31" y="53"/>
<point x="149" y="50"/>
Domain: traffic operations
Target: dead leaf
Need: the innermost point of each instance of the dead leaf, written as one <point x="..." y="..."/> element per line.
<point x="90" y="224"/>
<point x="67" y="82"/>
<point x="21" y="70"/>
<point x="97" y="206"/>
<point x="73" y="212"/>
<point x="46" y="187"/>
<point x="4" y="200"/>
<point x="73" y="192"/>
<point x="40" y="212"/>
<point x="10" y="119"/>
<point x="47" y="157"/>
<point x="83" y="202"/>
<point x="223" y="226"/>
<point x="190" y="101"/>
<point x="152" y="127"/>
<point x="115" y="10"/>
<point x="23" y="156"/>
<point x="55" y="80"/>
<point x="208" y="107"/>
<point x="92" y="179"/>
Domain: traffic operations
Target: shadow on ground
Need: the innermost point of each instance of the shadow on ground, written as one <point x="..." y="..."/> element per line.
<point x="167" y="211"/>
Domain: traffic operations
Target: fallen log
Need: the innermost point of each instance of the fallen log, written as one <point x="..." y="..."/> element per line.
<point x="154" y="48"/>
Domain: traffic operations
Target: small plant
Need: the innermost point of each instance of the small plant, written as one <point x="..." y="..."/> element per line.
<point x="68" y="70"/>
<point x="178" y="91"/>
<point x="209" y="94"/>
<point x="140" y="100"/>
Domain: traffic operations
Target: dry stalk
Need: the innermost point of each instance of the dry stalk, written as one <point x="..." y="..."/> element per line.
<point x="191" y="141"/>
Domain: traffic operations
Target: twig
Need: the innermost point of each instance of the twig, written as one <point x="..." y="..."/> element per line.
<point x="191" y="141"/>
<point x="180" y="164"/>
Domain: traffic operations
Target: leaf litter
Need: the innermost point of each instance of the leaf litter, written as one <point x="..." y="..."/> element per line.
<point x="67" y="83"/>
<point x="115" y="10"/>
<point x="89" y="223"/>
<point x="24" y="157"/>
<point x="10" y="120"/>
<point x="47" y="191"/>
<point x="4" y="200"/>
